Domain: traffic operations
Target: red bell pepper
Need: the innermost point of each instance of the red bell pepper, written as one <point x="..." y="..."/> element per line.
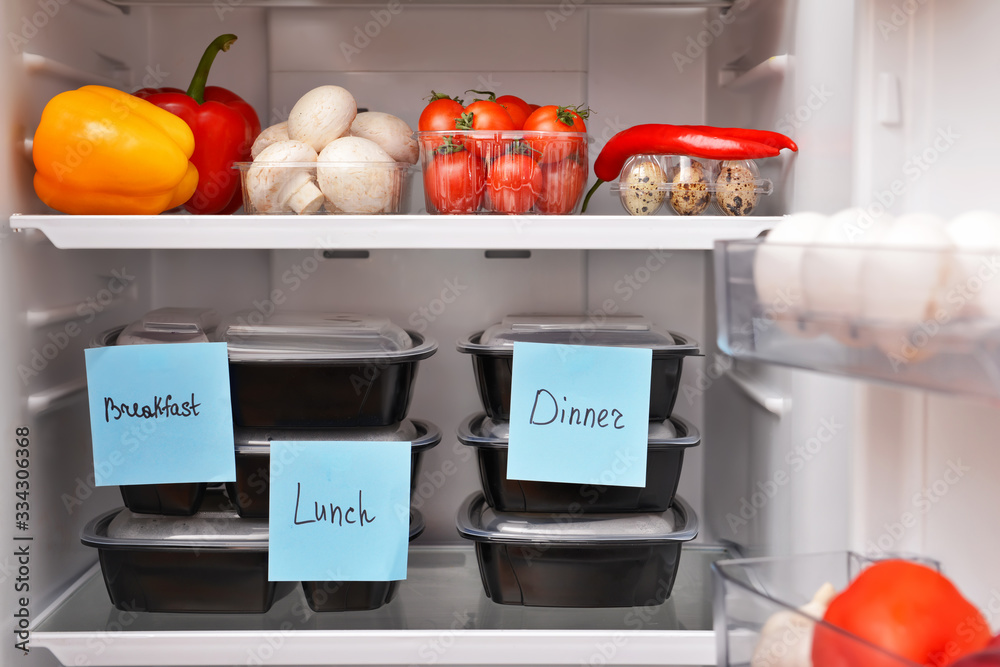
<point x="224" y="128"/>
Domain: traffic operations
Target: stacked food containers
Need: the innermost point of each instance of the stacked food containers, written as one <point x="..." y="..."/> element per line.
<point x="577" y="545"/>
<point x="293" y="377"/>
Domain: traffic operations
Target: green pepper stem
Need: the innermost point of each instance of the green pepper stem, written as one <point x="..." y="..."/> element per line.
<point x="590" y="193"/>
<point x="200" y="78"/>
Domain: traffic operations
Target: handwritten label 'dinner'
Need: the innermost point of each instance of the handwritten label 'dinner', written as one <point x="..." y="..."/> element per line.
<point x="579" y="414"/>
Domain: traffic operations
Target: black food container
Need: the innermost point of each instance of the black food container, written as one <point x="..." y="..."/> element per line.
<point x="251" y="492"/>
<point x="357" y="595"/>
<point x="165" y="325"/>
<point x="597" y="560"/>
<point x="213" y="561"/>
<point x="492" y="353"/>
<point x="664" y="458"/>
<point x="312" y="370"/>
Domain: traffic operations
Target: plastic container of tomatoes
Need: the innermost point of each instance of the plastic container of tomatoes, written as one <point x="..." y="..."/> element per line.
<point x="510" y="172"/>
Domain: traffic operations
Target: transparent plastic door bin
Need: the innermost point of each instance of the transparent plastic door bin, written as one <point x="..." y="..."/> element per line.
<point x="923" y="317"/>
<point x="749" y="591"/>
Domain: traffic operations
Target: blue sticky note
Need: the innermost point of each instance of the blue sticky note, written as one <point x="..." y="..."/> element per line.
<point x="579" y="414"/>
<point x="161" y="414"/>
<point x="339" y="511"/>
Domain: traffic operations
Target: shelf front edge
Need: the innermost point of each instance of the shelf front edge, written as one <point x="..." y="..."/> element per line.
<point x="170" y="232"/>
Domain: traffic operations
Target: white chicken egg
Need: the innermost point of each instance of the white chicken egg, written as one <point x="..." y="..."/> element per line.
<point x="975" y="289"/>
<point x="831" y="273"/>
<point x="777" y="270"/>
<point x="903" y="280"/>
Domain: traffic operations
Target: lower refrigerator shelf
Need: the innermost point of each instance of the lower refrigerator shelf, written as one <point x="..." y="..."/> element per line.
<point x="440" y="616"/>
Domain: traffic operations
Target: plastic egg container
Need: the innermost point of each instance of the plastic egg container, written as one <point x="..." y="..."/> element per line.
<point x="690" y="186"/>
<point x="503" y="172"/>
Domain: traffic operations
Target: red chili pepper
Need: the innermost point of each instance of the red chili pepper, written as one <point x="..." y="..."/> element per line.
<point x="695" y="141"/>
<point x="224" y="128"/>
<point x="773" y="139"/>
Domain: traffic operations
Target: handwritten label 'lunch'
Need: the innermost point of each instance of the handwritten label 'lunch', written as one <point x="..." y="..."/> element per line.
<point x="162" y="406"/>
<point x="335" y="510"/>
<point x="579" y="414"/>
<point x="546" y="404"/>
<point x="337" y="515"/>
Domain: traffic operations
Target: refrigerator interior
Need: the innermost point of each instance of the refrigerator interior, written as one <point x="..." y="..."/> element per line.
<point x="862" y="88"/>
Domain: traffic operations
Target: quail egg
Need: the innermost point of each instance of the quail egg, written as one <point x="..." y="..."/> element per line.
<point x="736" y="188"/>
<point x="689" y="194"/>
<point x="640" y="185"/>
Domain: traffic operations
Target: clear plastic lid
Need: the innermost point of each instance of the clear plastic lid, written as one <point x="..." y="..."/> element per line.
<point x="216" y="526"/>
<point x="170" y="325"/>
<point x="479" y="522"/>
<point x="219" y="528"/>
<point x="302" y="336"/>
<point x="421" y="434"/>
<point x="618" y="331"/>
<point x="479" y="430"/>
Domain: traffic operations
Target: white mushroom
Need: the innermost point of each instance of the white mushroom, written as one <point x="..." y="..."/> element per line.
<point x="388" y="131"/>
<point x="322" y="115"/>
<point x="269" y="136"/>
<point x="357" y="176"/>
<point x="274" y="187"/>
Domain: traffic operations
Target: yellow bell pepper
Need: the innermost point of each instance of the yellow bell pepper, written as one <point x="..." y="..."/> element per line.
<point x="101" y="151"/>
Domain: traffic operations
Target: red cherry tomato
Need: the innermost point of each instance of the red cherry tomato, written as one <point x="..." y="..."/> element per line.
<point x="455" y="182"/>
<point x="514" y="183"/>
<point x="518" y="109"/>
<point x="483" y="115"/>
<point x="438" y="116"/>
<point x="562" y="185"/>
<point x="554" y="118"/>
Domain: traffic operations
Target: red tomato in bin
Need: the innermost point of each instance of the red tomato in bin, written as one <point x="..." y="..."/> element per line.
<point x="455" y="182"/>
<point x="517" y="109"/>
<point x="438" y="116"/>
<point x="562" y="185"/>
<point x="906" y="609"/>
<point x="514" y="182"/>
<point x="483" y="115"/>
<point x="554" y="118"/>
